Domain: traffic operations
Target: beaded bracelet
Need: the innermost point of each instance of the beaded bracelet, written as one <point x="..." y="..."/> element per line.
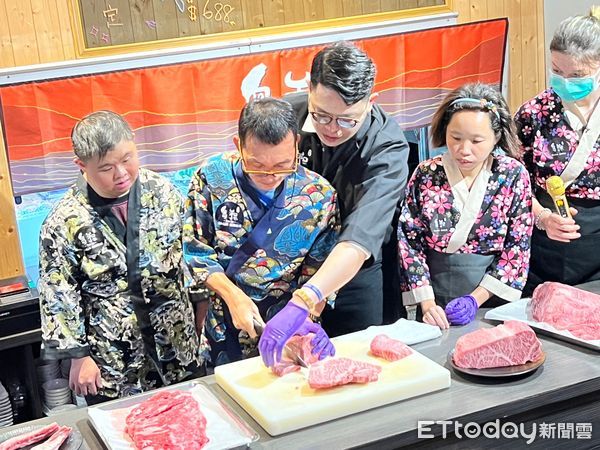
<point x="538" y="219"/>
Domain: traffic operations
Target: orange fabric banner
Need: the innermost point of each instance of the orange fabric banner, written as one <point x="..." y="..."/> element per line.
<point x="182" y="113"/>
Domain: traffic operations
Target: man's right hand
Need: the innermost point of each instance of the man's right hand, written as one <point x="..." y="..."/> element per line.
<point x="243" y="313"/>
<point x="84" y="377"/>
<point x="241" y="307"/>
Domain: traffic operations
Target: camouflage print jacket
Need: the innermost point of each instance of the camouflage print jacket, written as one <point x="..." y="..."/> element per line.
<point x="122" y="305"/>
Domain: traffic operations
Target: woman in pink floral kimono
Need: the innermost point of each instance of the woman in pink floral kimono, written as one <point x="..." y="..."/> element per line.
<point x="559" y="130"/>
<point x="465" y="226"/>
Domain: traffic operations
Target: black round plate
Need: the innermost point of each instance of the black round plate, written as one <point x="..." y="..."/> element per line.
<point x="508" y="371"/>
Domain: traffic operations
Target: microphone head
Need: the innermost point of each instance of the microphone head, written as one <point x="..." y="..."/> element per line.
<point x="555" y="186"/>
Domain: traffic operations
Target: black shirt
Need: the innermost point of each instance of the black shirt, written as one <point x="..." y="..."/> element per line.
<point x="112" y="210"/>
<point x="368" y="171"/>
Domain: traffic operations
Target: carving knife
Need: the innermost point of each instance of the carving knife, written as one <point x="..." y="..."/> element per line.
<point x="288" y="352"/>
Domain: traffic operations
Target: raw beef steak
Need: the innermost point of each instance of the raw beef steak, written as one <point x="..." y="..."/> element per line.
<point x="567" y="308"/>
<point x="169" y="420"/>
<point x="387" y="348"/>
<point x="505" y="345"/>
<point x="338" y="371"/>
<point x="29" y="438"/>
<point x="300" y="345"/>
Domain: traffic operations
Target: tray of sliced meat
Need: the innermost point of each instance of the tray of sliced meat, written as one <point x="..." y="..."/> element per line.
<point x="41" y="437"/>
<point x="186" y="416"/>
<point x="557" y="310"/>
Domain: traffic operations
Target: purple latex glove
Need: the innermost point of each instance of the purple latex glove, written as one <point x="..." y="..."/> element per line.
<point x="462" y="310"/>
<point x="278" y="330"/>
<point x="322" y="346"/>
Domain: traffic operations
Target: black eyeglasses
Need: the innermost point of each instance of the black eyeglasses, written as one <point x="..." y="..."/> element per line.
<point x="343" y="122"/>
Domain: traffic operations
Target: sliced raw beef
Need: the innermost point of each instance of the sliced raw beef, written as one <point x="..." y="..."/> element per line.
<point x="567" y="308"/>
<point x="387" y="348"/>
<point x="169" y="420"/>
<point x="363" y="372"/>
<point x="301" y="346"/>
<point x="284" y="367"/>
<point x="32" y="437"/>
<point x="505" y="345"/>
<point x="338" y="371"/>
<point x="55" y="441"/>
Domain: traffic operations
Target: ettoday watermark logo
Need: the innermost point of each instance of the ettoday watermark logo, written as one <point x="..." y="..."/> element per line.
<point x="506" y="430"/>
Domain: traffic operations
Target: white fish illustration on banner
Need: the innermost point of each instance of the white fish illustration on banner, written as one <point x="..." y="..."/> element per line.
<point x="251" y="88"/>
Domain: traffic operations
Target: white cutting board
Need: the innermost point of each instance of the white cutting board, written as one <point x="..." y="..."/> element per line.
<point x="282" y="404"/>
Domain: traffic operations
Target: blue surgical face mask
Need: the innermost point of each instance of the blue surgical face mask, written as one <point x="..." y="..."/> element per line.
<point x="573" y="89"/>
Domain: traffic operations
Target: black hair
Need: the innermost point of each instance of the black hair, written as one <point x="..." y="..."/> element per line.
<point x="269" y="120"/>
<point x="490" y="101"/>
<point x="346" y="69"/>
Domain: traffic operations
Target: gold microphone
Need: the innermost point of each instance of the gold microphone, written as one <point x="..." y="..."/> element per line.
<point x="556" y="188"/>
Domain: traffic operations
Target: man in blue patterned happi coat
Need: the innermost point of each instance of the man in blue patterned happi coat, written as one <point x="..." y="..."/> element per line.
<point x="257" y="227"/>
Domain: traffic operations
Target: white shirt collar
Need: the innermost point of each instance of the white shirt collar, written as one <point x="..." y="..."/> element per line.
<point x="308" y="125"/>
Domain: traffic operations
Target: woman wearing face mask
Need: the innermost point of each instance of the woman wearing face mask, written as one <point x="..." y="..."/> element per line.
<point x="465" y="224"/>
<point x="560" y="136"/>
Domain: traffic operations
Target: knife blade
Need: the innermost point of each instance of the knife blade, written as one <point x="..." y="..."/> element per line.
<point x="288" y="351"/>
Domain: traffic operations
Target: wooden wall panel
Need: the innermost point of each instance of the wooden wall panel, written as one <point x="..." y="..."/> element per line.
<point x="529" y="46"/>
<point x="388" y="5"/>
<point x="526" y="46"/>
<point x="94" y="23"/>
<point x="333" y="8"/>
<point x="167" y="10"/>
<point x="235" y="19"/>
<point x="371" y="6"/>
<point x="293" y="11"/>
<point x="120" y="25"/>
<point x="6" y="45"/>
<point x="313" y="9"/>
<point x="139" y="11"/>
<point x="11" y="259"/>
<point x="22" y="32"/>
<point x="408" y="4"/>
<point x="66" y="31"/>
<point x="273" y="12"/>
<point x="253" y="14"/>
<point x="188" y="23"/>
<point x="496" y="9"/>
<point x="47" y="30"/>
<point x="463" y="8"/>
<point x="352" y="7"/>
<point x="541" y="47"/>
<point x="478" y="10"/>
<point x="515" y="53"/>
<point x="210" y="17"/>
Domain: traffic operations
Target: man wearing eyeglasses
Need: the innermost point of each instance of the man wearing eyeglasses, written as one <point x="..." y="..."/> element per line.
<point x="362" y="151"/>
<point x="257" y="226"/>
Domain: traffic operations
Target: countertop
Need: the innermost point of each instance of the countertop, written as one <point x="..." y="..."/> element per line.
<point x="569" y="379"/>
